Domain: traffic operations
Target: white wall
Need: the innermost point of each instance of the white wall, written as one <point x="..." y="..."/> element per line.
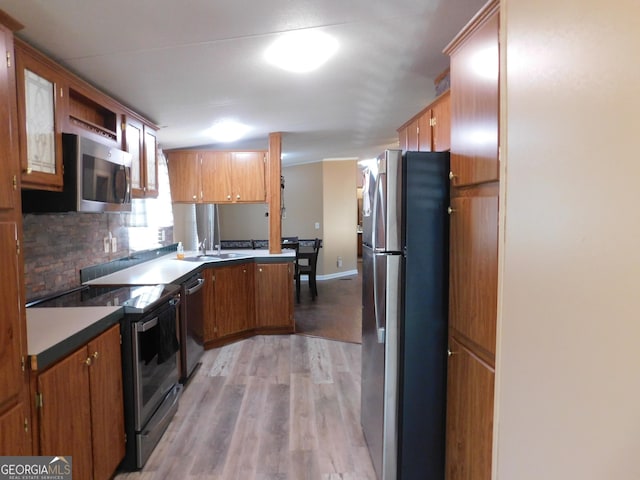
<point x="568" y="366"/>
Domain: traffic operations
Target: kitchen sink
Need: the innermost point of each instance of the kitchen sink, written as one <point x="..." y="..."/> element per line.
<point x="214" y="256"/>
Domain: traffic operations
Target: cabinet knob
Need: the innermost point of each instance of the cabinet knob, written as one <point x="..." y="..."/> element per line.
<point x="238" y="197"/>
<point x="450" y="210"/>
<point x="450" y="353"/>
<point x="451" y="176"/>
<point x="228" y="197"/>
<point x="95" y="355"/>
<point x="87" y="362"/>
<point x="195" y="197"/>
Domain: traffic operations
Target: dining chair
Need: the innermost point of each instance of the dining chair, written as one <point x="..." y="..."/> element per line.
<point x="309" y="269"/>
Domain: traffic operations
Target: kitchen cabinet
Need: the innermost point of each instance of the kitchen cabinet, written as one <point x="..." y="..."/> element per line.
<point x="469" y="415"/>
<point x="15" y="437"/>
<point x="217" y="176"/>
<point x="229" y="301"/>
<point x="140" y="141"/>
<point x="41" y="97"/>
<point x="15" y="425"/>
<point x="429" y="130"/>
<point x="473" y="268"/>
<point x="80" y="407"/>
<point x="475" y="104"/>
<point x="473" y="252"/>
<point x="274" y="295"/>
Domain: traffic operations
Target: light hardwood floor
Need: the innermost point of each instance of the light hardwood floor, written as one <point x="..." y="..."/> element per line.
<point x="268" y="408"/>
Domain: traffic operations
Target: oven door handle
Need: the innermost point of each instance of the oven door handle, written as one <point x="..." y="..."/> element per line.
<point x="147" y="325"/>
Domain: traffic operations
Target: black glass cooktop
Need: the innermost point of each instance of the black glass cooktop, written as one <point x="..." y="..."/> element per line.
<point x="134" y="299"/>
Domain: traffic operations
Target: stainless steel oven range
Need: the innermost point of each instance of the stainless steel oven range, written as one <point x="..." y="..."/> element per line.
<point x="150" y="358"/>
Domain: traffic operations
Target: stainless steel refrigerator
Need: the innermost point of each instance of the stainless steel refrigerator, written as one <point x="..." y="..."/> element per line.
<point x="405" y="310"/>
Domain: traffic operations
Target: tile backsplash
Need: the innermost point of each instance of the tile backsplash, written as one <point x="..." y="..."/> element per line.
<point x="57" y="246"/>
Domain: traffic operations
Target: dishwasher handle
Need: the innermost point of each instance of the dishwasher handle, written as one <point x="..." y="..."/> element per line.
<point x="199" y="284"/>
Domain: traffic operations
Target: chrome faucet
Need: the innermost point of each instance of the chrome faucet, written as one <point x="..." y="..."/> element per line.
<point x="203" y="246"/>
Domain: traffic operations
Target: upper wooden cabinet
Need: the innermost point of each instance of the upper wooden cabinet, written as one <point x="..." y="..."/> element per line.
<point x="475" y="103"/>
<point x="41" y="109"/>
<point x="8" y="139"/>
<point x="202" y="176"/>
<point x="429" y="130"/>
<point x="139" y="139"/>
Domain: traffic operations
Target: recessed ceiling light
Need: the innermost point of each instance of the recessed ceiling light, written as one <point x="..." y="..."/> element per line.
<point x="301" y="51"/>
<point x="227" y="131"/>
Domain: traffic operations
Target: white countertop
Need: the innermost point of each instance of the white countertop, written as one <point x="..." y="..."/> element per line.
<point x="168" y="269"/>
<point x="54" y="332"/>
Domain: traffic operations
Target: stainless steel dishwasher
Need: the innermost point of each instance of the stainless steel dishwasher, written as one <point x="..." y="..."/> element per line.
<point x="191" y="326"/>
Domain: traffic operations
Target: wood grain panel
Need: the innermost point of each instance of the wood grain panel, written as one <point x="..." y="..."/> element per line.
<point x="474" y="106"/>
<point x="10" y="317"/>
<point x="184" y="176"/>
<point x="412" y="136"/>
<point x="233" y="299"/>
<point x="474" y="270"/>
<point x="65" y="415"/>
<point x="216" y="177"/>
<point x="14" y="437"/>
<point x="441" y="114"/>
<point x="248" y="176"/>
<point x="274" y="295"/>
<point x="469" y="415"/>
<point x="424" y="132"/>
<point x="107" y="409"/>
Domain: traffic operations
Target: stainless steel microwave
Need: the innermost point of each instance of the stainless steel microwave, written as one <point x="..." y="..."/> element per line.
<point x="97" y="178"/>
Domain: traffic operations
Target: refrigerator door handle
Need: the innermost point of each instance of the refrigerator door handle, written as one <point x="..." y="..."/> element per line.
<point x="379" y="330"/>
<point x="378" y="206"/>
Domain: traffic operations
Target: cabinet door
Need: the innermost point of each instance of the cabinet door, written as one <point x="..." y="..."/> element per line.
<point x="402" y="139"/>
<point x="65" y="414"/>
<point x="233" y="299"/>
<point x="470" y="385"/>
<point x="8" y="173"/>
<point x="150" y="162"/>
<point x="209" y="329"/>
<point x="424" y="132"/>
<point x="441" y="124"/>
<point x="474" y="269"/>
<point x="412" y="136"/>
<point x="274" y="295"/>
<point x="133" y="143"/>
<point x="216" y="177"/>
<point x="184" y="176"/>
<point x="39" y="88"/>
<point x="107" y="410"/>
<point x="248" y="176"/>
<point x="11" y="378"/>
<point x="474" y="106"/>
<point x="15" y="433"/>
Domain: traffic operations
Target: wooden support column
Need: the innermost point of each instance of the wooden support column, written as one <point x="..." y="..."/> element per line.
<point x="274" y="192"/>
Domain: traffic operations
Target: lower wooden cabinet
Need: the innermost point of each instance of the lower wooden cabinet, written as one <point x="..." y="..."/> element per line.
<point x="80" y="408"/>
<point x="244" y="299"/>
<point x="469" y="415"/>
<point x="15" y="431"/>
<point x="274" y="295"/>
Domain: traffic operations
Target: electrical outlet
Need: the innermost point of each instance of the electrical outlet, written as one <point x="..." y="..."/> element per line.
<point x="114" y="245"/>
<point x="106" y="244"/>
<point x="339" y="262"/>
<point x="317" y="225"/>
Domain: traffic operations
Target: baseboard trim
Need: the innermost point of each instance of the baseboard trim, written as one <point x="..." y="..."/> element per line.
<point x="330" y="276"/>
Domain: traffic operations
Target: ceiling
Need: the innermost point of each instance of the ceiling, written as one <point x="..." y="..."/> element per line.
<point x="185" y="65"/>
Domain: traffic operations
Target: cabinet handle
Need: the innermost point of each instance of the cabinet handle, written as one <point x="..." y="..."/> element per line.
<point x="451" y="176"/>
<point x="195" y="197"/>
<point x="450" y="353"/>
<point x="95" y="355"/>
<point x="238" y="197"/>
<point x="450" y="210"/>
<point x="87" y="362"/>
<point x="228" y="197"/>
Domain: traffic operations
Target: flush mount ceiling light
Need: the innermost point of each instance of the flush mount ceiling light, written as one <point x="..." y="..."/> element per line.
<point x="227" y="131"/>
<point x="301" y="51"/>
